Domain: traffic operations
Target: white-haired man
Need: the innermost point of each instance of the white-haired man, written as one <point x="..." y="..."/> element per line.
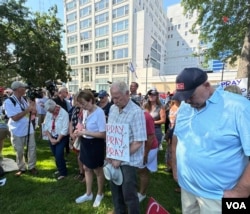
<point x="126" y="111"/>
<point x="18" y="110"/>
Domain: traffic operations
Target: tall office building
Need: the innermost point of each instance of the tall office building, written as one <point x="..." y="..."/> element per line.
<point x="103" y="38"/>
<point x="182" y="46"/>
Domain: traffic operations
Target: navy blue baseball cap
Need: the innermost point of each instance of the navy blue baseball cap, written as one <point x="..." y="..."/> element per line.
<point x="102" y="94"/>
<point x="187" y="81"/>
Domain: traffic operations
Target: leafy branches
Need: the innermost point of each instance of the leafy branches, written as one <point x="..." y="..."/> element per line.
<point x="223" y="25"/>
<point x="31" y="44"/>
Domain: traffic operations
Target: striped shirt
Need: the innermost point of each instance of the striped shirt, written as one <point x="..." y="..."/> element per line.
<point x="132" y="115"/>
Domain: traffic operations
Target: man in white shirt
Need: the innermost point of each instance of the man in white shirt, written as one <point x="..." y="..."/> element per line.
<point x="18" y="111"/>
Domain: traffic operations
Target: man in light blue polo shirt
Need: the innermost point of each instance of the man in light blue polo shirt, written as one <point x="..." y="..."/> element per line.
<point x="211" y="142"/>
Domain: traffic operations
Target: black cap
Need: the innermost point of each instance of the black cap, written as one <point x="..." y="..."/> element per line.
<point x="187" y="81"/>
<point x="153" y="91"/>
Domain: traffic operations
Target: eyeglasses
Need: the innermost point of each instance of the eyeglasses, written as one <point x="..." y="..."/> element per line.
<point x="101" y="98"/>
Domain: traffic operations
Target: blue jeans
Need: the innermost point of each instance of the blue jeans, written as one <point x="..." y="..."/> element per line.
<point x="158" y="134"/>
<point x="58" y="152"/>
<point x="125" y="197"/>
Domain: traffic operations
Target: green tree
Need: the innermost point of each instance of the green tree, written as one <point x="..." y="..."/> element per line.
<point x="35" y="46"/>
<point x="225" y="24"/>
<point x="12" y="20"/>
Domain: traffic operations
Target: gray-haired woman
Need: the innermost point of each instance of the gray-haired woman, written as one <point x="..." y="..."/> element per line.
<point x="56" y="126"/>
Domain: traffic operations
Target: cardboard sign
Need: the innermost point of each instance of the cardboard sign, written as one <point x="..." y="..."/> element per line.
<point x="154" y="207"/>
<point x="242" y="83"/>
<point x="117" y="142"/>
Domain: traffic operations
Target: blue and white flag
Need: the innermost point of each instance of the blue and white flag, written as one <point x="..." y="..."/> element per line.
<point x="132" y="69"/>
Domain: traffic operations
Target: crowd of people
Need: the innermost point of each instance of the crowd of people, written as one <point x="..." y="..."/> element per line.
<point x="205" y="134"/>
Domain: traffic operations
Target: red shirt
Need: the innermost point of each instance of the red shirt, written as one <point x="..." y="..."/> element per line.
<point x="150" y="128"/>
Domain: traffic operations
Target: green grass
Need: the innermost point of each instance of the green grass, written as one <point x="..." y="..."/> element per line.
<point x="44" y="194"/>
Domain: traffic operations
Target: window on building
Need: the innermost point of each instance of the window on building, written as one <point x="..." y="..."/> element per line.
<point x="86" y="59"/>
<point x="179" y="26"/>
<point x="72" y="50"/>
<point x="83" y="2"/>
<point x="103" y="43"/>
<point x="85" y="23"/>
<point x="120" y="40"/>
<point x="102" y="69"/>
<point x="104" y="17"/>
<point x="171" y="19"/>
<point x="121" y="11"/>
<point x="119" y="68"/>
<point x="86" y="74"/>
<point x="72" y="28"/>
<point x="102" y="31"/>
<point x="72" y="61"/>
<point x="86" y="35"/>
<point x="120" y="53"/>
<point x="178" y="43"/>
<point x="102" y="56"/>
<point x="86" y="47"/>
<point x="71" y="5"/>
<point x="120" y="26"/>
<point x="103" y="4"/>
<point x="71" y="17"/>
<point x="72" y="39"/>
<point x="186" y="24"/>
<point x="117" y="1"/>
<point x="186" y="33"/>
<point x="74" y="72"/>
<point x="85" y="11"/>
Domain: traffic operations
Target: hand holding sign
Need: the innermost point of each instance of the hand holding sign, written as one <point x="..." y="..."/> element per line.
<point x="117" y="141"/>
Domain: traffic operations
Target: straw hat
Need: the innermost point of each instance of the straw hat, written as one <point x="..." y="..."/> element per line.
<point x="113" y="174"/>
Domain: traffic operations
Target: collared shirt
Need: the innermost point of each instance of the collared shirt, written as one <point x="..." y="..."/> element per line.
<point x="132" y="115"/>
<point x="40" y="105"/>
<point x="60" y="123"/>
<point x="18" y="128"/>
<point x="213" y="144"/>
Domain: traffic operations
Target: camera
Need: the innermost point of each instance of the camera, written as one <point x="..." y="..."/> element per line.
<point x="94" y="93"/>
<point x="33" y="93"/>
<point x="51" y="87"/>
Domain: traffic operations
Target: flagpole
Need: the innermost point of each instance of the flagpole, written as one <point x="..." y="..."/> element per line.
<point x="147" y="59"/>
<point x="128" y="75"/>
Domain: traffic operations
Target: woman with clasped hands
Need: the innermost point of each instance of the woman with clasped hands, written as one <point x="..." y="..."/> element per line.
<point x="92" y="149"/>
<point x="56" y="126"/>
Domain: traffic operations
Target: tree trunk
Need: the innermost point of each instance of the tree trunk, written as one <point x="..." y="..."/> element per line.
<point x="244" y="62"/>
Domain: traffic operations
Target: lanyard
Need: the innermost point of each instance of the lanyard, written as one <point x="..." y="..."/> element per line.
<point x="21" y="103"/>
